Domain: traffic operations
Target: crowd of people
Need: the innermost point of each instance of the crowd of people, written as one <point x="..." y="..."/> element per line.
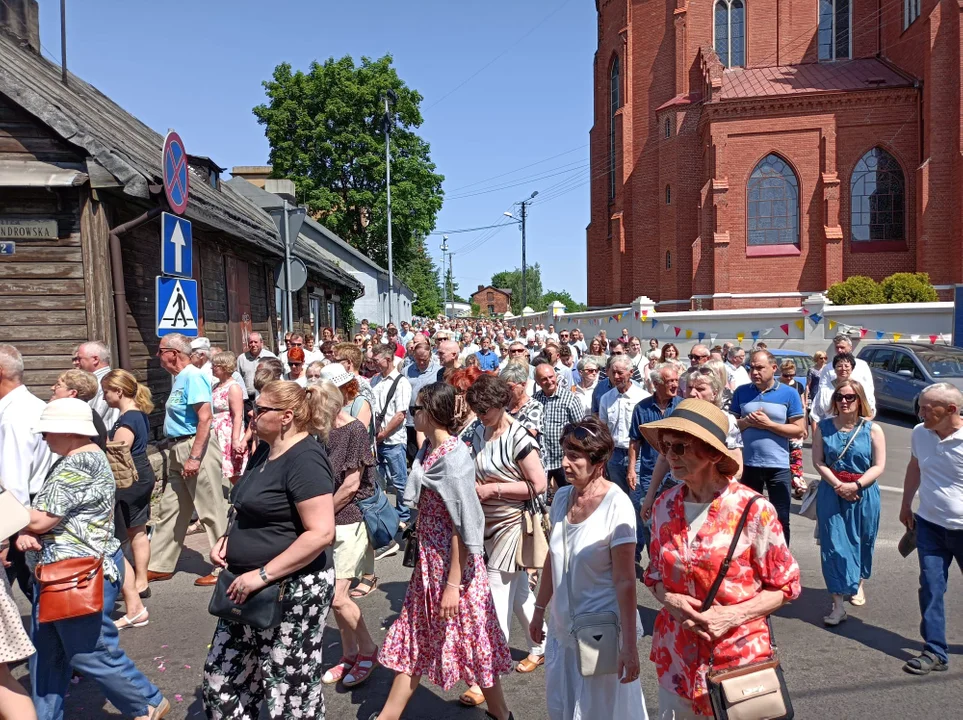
<point x="537" y="474"/>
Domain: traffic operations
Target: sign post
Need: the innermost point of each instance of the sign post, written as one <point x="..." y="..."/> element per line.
<point x="176" y="175"/>
<point x="176" y="306"/>
<point x="175" y="293"/>
<point x="177" y="246"/>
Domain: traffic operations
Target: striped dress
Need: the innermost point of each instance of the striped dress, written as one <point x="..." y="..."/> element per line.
<point x="496" y="460"/>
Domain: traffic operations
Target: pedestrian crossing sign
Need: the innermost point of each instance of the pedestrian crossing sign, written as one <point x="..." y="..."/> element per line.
<point x="176" y="302"/>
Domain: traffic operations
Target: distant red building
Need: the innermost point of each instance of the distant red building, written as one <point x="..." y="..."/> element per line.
<point x="493" y="300"/>
<point x="746" y="153"/>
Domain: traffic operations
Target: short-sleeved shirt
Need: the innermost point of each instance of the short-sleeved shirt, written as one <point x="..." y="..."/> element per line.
<point x="616" y="410"/>
<point x="349" y="450"/>
<point x="645" y="412"/>
<point x="530" y="416"/>
<point x="265" y="500"/>
<point x="560" y="409"/>
<point x="138" y="423"/>
<point x="941" y="476"/>
<point x="764" y="448"/>
<point x="487" y="361"/>
<point x="381" y="386"/>
<point x="80" y="491"/>
<point x="190" y="387"/>
<point x="418" y="379"/>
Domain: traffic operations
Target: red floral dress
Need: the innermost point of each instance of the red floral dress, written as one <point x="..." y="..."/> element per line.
<point x="761" y="562"/>
<point x="469" y="648"/>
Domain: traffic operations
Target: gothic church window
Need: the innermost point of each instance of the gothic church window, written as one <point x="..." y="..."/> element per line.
<point x="730" y="32"/>
<point x="773" y="204"/>
<point x="834" y="36"/>
<point x="877" y="194"/>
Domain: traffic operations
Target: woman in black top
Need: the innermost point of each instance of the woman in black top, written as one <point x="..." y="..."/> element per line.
<point x="283" y="529"/>
<point x="122" y="391"/>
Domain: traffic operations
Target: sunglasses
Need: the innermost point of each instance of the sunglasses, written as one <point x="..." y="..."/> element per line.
<point x="259" y="410"/>
<point x="698" y="357"/>
<point x="579" y="432"/>
<point x="295" y="364"/>
<point x="588" y="371"/>
<point x="839" y="397"/>
<point x="789" y="376"/>
<point x="677" y="448"/>
<point x="518" y="351"/>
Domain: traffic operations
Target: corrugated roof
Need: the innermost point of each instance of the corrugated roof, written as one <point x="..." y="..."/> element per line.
<point x="844" y="75"/>
<point x="126" y="147"/>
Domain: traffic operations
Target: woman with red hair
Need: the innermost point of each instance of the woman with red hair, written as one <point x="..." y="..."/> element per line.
<point x="465" y="420"/>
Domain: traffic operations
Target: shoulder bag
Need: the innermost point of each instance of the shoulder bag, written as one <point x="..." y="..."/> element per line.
<point x="262" y="610"/>
<point x="597" y="635"/>
<point x="14" y="517"/>
<point x="380" y="517"/>
<point x="536" y="529"/>
<point x="121" y="464"/>
<point x="808" y="507"/>
<point x="756" y="691"/>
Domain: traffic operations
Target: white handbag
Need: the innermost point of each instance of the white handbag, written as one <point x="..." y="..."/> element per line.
<point x="597" y="635"/>
<point x="14" y="517"/>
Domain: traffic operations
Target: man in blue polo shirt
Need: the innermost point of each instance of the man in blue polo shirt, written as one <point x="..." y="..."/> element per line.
<point x="770" y="415"/>
<point x="642" y="456"/>
<point x="487" y="359"/>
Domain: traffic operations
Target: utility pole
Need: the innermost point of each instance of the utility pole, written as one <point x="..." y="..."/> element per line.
<point x="393" y="97"/>
<point x="288" y="314"/>
<point x="444" y="283"/>
<point x="524" y="266"/>
<point x="451" y="278"/>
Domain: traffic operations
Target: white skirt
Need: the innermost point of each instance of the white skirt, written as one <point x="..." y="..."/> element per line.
<point x="573" y="697"/>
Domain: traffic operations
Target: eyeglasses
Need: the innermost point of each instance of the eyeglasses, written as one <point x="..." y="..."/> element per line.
<point x="849" y="398"/>
<point x="518" y="351"/>
<point x="698" y="357"/>
<point x="579" y="432"/>
<point x="589" y="371"/>
<point x="259" y="410"/>
<point x="296" y="344"/>
<point x="162" y="350"/>
<point x="789" y="376"/>
<point x="676" y="448"/>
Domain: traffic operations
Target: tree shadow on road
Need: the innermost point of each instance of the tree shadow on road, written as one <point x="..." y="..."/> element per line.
<point x="872" y="636"/>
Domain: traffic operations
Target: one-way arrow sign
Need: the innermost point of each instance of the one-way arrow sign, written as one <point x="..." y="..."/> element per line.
<point x="176" y="246"/>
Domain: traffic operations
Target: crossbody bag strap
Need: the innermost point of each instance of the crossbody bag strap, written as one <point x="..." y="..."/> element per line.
<point x="849" y="443"/>
<point x="568" y="575"/>
<point x="388" y="398"/>
<point x="724" y="569"/>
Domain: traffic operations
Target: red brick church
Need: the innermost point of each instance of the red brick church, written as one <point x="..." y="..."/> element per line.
<point x="747" y="153"/>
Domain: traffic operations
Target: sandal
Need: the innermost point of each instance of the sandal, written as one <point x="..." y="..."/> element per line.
<point x="924" y="663"/>
<point x="334" y="674"/>
<point x="358" y="592"/>
<point x="527" y="666"/>
<point x="361" y="671"/>
<point x="470" y="698"/>
<point x="132" y="622"/>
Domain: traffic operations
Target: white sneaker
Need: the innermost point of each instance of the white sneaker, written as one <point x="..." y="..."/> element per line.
<point x="836" y="616"/>
<point x="859" y="599"/>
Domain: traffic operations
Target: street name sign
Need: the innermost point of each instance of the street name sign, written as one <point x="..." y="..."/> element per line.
<point x="176" y="175"/>
<point x="176" y="303"/>
<point x="177" y="250"/>
<point x="18" y="229"/>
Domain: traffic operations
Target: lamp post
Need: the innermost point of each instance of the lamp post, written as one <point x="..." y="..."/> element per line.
<point x="524" y="203"/>
<point x="444" y="284"/>
<point x="392" y="97"/>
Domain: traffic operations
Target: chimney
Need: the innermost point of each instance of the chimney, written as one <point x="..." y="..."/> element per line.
<point x="21" y="18"/>
<point x="480" y="288"/>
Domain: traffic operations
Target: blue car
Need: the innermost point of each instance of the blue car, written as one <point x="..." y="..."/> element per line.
<point x="901" y="371"/>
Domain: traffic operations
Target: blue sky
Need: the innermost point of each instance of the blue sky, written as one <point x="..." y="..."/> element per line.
<point x="197" y="67"/>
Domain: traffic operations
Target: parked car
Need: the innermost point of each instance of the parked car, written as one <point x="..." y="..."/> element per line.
<point x="802" y="360"/>
<point x="901" y="371"/>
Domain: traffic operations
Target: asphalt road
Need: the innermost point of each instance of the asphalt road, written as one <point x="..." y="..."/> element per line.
<point x="853" y="671"/>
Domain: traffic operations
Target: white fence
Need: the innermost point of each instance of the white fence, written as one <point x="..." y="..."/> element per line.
<point x="807" y="328"/>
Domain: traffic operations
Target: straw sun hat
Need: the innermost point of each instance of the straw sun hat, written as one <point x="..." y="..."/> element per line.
<point x="67" y="416"/>
<point x="703" y="421"/>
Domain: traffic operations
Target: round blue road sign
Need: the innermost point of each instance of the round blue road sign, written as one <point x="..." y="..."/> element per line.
<point x="176" y="176"/>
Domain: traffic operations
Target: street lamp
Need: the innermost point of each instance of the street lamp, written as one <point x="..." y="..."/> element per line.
<point x="444" y="284"/>
<point x="390" y="97"/>
<point x="524" y="203"/>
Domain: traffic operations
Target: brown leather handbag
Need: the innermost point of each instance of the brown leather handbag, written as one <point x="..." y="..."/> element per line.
<point x="70" y="588"/>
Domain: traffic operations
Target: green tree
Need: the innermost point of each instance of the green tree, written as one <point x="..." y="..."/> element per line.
<point x="421" y="275"/>
<point x="512" y="279"/>
<point x="909" y="288"/>
<point x="856" y="290"/>
<point x="325" y="128"/>
<point x="452" y="286"/>
<point x="563" y="297"/>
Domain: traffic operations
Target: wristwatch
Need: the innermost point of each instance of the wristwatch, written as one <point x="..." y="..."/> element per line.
<point x="191" y="457"/>
<point x="263" y="574"/>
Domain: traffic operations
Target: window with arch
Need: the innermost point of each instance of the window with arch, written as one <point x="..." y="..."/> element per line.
<point x="911" y="11"/>
<point x="878" y="197"/>
<point x="668" y="194"/>
<point x="834" y="29"/>
<point x="730" y="32"/>
<point x="668" y="259"/>
<point x="773" y="204"/>
<point x="615" y="93"/>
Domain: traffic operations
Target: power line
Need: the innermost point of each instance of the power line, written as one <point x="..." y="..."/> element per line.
<point x="512" y="172"/>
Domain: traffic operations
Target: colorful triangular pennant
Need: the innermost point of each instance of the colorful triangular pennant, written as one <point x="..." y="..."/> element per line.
<point x="785" y="328"/>
<point x="897" y="336"/>
<point x="688" y="334"/>
<point x="880" y="334"/>
<point x="816" y="317"/>
<point x="801" y="324"/>
<point x="701" y="336"/>
<point x="755" y="335"/>
<point x="740" y="336"/>
<point x="933" y="339"/>
<point x="833" y="324"/>
<point x="862" y="332"/>
<point x="677" y="331"/>
<point x="915" y="338"/>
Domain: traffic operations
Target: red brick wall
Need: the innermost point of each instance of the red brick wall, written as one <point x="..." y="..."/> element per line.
<point x="499" y="299"/>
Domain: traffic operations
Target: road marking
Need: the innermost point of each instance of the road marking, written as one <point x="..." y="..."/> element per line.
<point x="887" y="488"/>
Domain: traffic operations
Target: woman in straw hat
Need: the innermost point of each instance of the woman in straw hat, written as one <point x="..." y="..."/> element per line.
<point x="693" y="527"/>
<point x="72" y="517"/>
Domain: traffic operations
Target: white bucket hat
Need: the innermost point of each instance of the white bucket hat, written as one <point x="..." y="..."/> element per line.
<point x="68" y="416"/>
<point x="336" y="373"/>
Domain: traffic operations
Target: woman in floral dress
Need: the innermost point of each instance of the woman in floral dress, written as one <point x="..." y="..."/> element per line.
<point x="228" y="422"/>
<point x="447" y="629"/>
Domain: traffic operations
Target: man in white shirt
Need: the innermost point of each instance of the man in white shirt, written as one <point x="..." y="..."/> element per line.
<point x="24" y="456"/>
<point x="201" y="357"/>
<point x="935" y="470"/>
<point x="406" y="335"/>
<point x="94" y="357"/>
<point x="861" y="372"/>
<point x="470" y="347"/>
<point x="615" y="410"/>
<point x="552" y="335"/>
<point x="736" y="367"/>
<point x="392" y="396"/>
<point x="541" y="333"/>
<point x="247" y="363"/>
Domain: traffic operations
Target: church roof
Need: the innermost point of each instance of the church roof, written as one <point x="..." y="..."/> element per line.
<point x="840" y="76"/>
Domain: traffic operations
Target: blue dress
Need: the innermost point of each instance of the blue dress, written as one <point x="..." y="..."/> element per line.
<point x="847" y="530"/>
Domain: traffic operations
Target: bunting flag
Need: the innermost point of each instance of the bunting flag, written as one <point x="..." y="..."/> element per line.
<point x="879" y="334"/>
<point x="712" y="337"/>
<point x="701" y="336"/>
<point x="636" y="315"/>
<point x="785" y="328"/>
<point x="755" y="335"/>
<point x="688" y="334"/>
<point x="816" y="318"/>
<point x="833" y="324"/>
<point x="862" y="332"/>
<point x="654" y="323"/>
<point x="645" y="313"/>
<point x="915" y="338"/>
<point x="804" y="311"/>
<point x="740" y="337"/>
<point x="677" y="331"/>
<point x="801" y="324"/>
<point x="897" y="336"/>
<point x="933" y="339"/>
